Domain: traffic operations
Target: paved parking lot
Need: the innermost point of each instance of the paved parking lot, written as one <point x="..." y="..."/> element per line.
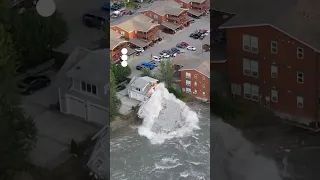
<point x="170" y="41"/>
<point x="79" y="34"/>
<point x="55" y="130"/>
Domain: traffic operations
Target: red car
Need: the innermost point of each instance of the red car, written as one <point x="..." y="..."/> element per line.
<point x="184" y="43"/>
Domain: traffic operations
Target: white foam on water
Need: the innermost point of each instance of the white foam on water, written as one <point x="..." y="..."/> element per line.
<point x="166" y="117"/>
<point x="167" y="163"/>
<point x="184" y="174"/>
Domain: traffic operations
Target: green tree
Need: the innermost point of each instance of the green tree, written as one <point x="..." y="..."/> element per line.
<point x="17" y="133"/>
<point x="121" y="73"/>
<point x="166" y="72"/>
<point x="115" y="102"/>
<point x="146" y="72"/>
<point x="36" y="36"/>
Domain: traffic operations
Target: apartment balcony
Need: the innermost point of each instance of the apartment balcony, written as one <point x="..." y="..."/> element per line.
<point x="180" y="19"/>
<point x="201" y="6"/>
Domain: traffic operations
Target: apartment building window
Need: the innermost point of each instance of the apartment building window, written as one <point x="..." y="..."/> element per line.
<point x="274" y="96"/>
<point x="300" y="102"/>
<point x="188" y="75"/>
<point x="188" y="83"/>
<point x="251" y="91"/>
<point x="247" y="90"/>
<point x="250" y="43"/>
<point x="203" y="85"/>
<point x="274" y="71"/>
<point x="188" y="90"/>
<point x="203" y="78"/>
<point x="195" y="92"/>
<point x="89" y="88"/>
<point x="255" y="92"/>
<point x="155" y="17"/>
<point x="195" y="83"/>
<point x="274" y="47"/>
<point x="300" y="53"/>
<point x="203" y="93"/>
<point x="122" y="33"/>
<point x="250" y="68"/>
<point x="300" y="77"/>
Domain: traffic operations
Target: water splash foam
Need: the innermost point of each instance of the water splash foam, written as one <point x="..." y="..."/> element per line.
<point x="166" y="117"/>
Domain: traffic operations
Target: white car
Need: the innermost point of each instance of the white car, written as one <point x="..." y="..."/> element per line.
<point x="156" y="58"/>
<point x="165" y="55"/>
<point x="139" y="49"/>
<point x="174" y="55"/>
<point x="191" y="48"/>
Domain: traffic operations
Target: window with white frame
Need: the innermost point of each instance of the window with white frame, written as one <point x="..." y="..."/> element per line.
<point x="300" y="102"/>
<point x="254" y="69"/>
<point x="195" y="76"/>
<point x="274" y="96"/>
<point x="188" y="75"/>
<point x="236" y="89"/>
<point x="274" y="71"/>
<point x="246" y="67"/>
<point x="89" y="88"/>
<point x="255" y="92"/>
<point x="203" y="85"/>
<point x="250" y="43"/>
<point x="247" y="90"/>
<point x="274" y="47"/>
<point x="195" y="91"/>
<point x="203" y="93"/>
<point x="183" y="90"/>
<point x="122" y="33"/>
<point x="155" y="17"/>
<point x="188" y="83"/>
<point x="300" y="53"/>
<point x="250" y="68"/>
<point x="203" y="77"/>
<point x="188" y="90"/>
<point x="195" y="83"/>
<point x="300" y="77"/>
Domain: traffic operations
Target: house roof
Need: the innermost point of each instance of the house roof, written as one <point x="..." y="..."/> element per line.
<point x="139" y="23"/>
<point x="92" y="67"/>
<point x="297" y="18"/>
<point x="192" y="63"/>
<point x="115" y="39"/>
<point x="166" y="7"/>
<point x="141" y="83"/>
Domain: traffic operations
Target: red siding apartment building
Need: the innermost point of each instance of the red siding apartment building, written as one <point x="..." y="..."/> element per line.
<point x="273" y="58"/>
<point x="196" y="7"/>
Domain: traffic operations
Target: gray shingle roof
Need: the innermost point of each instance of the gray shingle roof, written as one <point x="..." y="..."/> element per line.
<point x="166" y="7"/>
<point x="298" y="18"/>
<point x="139" y="23"/>
<point x="202" y="66"/>
<point x="92" y="68"/>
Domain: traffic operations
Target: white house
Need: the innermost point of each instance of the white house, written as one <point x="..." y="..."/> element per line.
<point x="141" y="88"/>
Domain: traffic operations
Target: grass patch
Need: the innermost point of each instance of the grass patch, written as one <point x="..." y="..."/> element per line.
<point x="178" y="94"/>
<point x="131" y="4"/>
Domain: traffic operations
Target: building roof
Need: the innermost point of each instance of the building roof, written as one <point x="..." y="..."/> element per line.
<point x="297" y="18"/>
<point x="139" y="23"/>
<point x="193" y="63"/>
<point x="115" y="39"/>
<point x="166" y="7"/>
<point x="92" y="67"/>
<point x="141" y="83"/>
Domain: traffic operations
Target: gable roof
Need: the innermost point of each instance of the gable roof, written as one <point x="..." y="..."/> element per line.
<point x="115" y="39"/>
<point x="192" y="63"/>
<point x="297" y="18"/>
<point x="92" y="67"/>
<point x="139" y="23"/>
<point x="165" y="7"/>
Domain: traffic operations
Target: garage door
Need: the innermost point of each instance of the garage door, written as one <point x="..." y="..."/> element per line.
<point x="98" y="115"/>
<point x="76" y="107"/>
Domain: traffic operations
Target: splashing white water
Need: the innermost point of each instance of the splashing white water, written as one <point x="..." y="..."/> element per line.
<point x="166" y="117"/>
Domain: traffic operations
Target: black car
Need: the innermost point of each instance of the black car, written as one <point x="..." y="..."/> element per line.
<point x="33" y="83"/>
<point x="164" y="51"/>
<point x="154" y="63"/>
<point x="139" y="67"/>
<point x="175" y="50"/>
<point x="196" y="36"/>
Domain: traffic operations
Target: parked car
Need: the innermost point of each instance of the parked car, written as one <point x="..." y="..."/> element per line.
<point x="180" y="45"/>
<point x="156" y="58"/>
<point x="129" y="12"/>
<point x="163" y="52"/>
<point x="185" y="44"/>
<point x="202" y="36"/>
<point x="33" y="83"/>
<point x="153" y="62"/>
<point x="191" y="48"/>
<point x="191" y="21"/>
<point x="202" y="31"/>
<point x="95" y="18"/>
<point x="165" y="55"/>
<point x="139" y="50"/>
<point x="175" y="50"/>
<point x="120" y="87"/>
<point x="139" y="67"/>
<point x="147" y="65"/>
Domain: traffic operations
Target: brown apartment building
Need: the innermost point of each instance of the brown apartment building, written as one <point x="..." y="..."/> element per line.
<point x="116" y="44"/>
<point x="193" y="76"/>
<point x="169" y="15"/>
<point x="273" y="57"/>
<point x="196" y="7"/>
<point x="139" y="31"/>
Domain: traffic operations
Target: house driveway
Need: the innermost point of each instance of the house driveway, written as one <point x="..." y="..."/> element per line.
<point x="170" y="41"/>
<point x="55" y="129"/>
<point x="126" y="102"/>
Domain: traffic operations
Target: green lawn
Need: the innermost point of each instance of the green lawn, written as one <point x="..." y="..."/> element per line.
<point x="130" y="4"/>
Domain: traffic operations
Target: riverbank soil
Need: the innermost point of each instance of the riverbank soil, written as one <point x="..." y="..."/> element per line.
<point x="296" y="150"/>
